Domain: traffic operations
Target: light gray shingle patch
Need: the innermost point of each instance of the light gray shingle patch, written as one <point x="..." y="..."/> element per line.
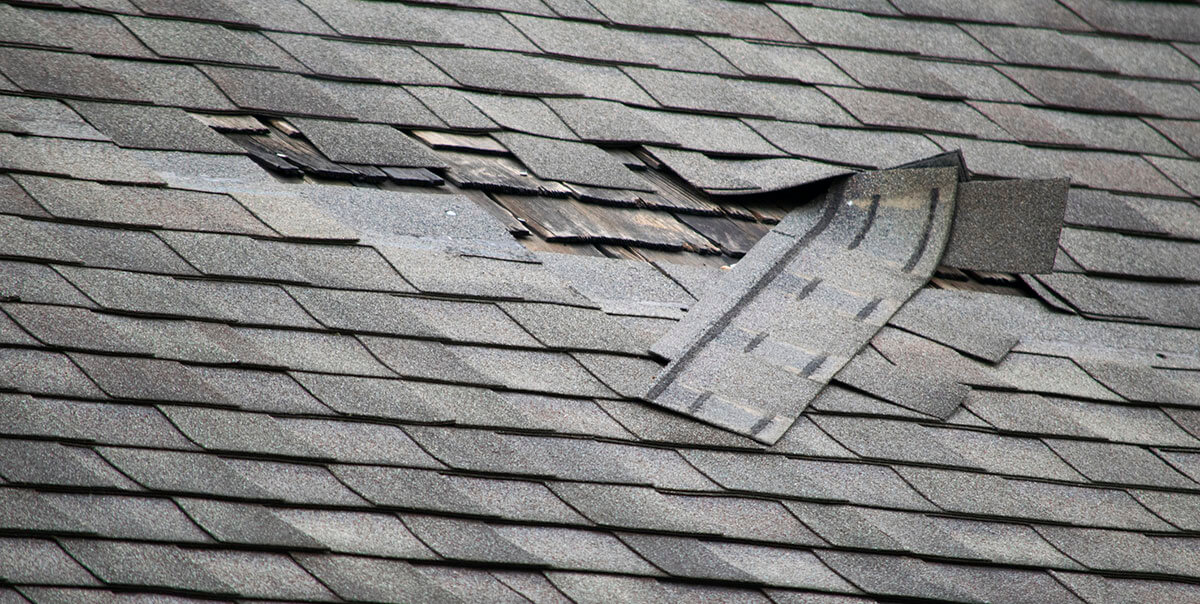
<point x="64" y="74"/>
<point x="593" y="588"/>
<point x="342" y="266"/>
<point x="52" y="464"/>
<point x="554" y="373"/>
<point x="1119" y="464"/>
<point x="779" y="61"/>
<point x="373" y="579"/>
<point x="1143" y="383"/>
<point x="1077" y="129"/>
<point x="221" y="430"/>
<point x="1114" y="253"/>
<point x="1089" y="208"/>
<point x="913" y="113"/>
<point x="828" y="480"/>
<point x="164" y="128"/>
<point x="610" y="282"/>
<point x="361" y="143"/>
<point x="600" y="121"/>
<point x="459" y="539"/>
<point x="93" y="33"/>
<point x="244" y="523"/>
<point x="311" y="351"/>
<point x="497" y="71"/>
<point x="146" y="379"/>
<point x="579" y="163"/>
<point x="522" y="114"/>
<point x="105" y="423"/>
<point x="472" y="584"/>
<point x="1007" y="226"/>
<point x="128" y="517"/>
<point x="274" y="92"/>
<point x="712" y="134"/>
<point x="1017" y="12"/>
<point x="980" y="82"/>
<point x="141" y="564"/>
<point x="1032" y="46"/>
<point x="255" y="390"/>
<point x="846" y="28"/>
<point x="574" y="328"/>
<point x="260" y="575"/>
<point x="142" y="206"/>
<point x="382" y="104"/>
<point x="1184" y="133"/>
<point x="44" y="117"/>
<point x="1076" y="90"/>
<point x="358" y="442"/>
<point x="891" y="72"/>
<point x="984" y="494"/>
<point x="28" y="282"/>
<point x="1183" y="172"/>
<point x="425" y="360"/>
<point x="1162" y="22"/>
<point x="195" y="41"/>
<point x="794" y="308"/>
<point x="356" y="532"/>
<point x="1162" y="303"/>
<point x="912" y="386"/>
<point x="40" y="561"/>
<point x="716" y="176"/>
<point x="171" y="84"/>
<point x="230" y="255"/>
<point x="436" y="272"/>
<point x="1140" y="58"/>
<point x="42" y="372"/>
<point x="794" y="102"/>
<point x="696" y="92"/>
<point x="564" y="458"/>
<point x="339" y="59"/>
<point x="88" y="160"/>
<point x="683" y="557"/>
<point x="868" y="148"/>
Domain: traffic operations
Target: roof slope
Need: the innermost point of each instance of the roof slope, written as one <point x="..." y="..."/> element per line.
<point x="266" y="333"/>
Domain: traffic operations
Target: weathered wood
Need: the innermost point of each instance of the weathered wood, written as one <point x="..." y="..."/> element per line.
<point x="296" y="151"/>
<point x="412" y="176"/>
<point x="241" y="124"/>
<point x="478" y="143"/>
<point x="568" y="220"/>
<point x="497" y="174"/>
<point x="735" y="237"/>
<point x="285" y="127"/>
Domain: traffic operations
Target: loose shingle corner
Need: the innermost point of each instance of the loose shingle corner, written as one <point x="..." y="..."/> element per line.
<point x="797" y="309"/>
<point x="1007" y="226"/>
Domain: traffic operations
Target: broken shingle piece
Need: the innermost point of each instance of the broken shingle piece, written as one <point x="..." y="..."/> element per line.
<point x="567" y="161"/>
<point x="1007" y="226"/>
<point x="360" y="143"/>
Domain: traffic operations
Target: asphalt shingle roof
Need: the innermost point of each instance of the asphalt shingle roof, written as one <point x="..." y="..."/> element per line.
<point x="339" y="300"/>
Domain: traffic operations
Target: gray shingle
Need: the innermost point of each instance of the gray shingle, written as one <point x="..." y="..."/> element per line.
<point x="852" y="482"/>
<point x="275" y="92"/>
<point x="600" y="121"/>
<point x="40" y="561"/>
<point x="1031" y="46"/>
<point x="861" y="147"/>
<point x="984" y="494"/>
<point x="165" y="128"/>
<point x="777" y="61"/>
<point x="45" y="117"/>
<point x="383" y="104"/>
<point x="310" y="485"/>
<point x="357" y="533"/>
<point x="340" y="59"/>
<point x="245" y="523"/>
<point x="573" y="162"/>
<point x="195" y="41"/>
<point x="846" y="28"/>
<point x="574" y="328"/>
<point x="361" y="143"/>
<point x="555" y="373"/>
<point x="1120" y="464"/>
<point x="470" y="540"/>
<point x="260" y="390"/>
<point x="26" y="510"/>
<point x="683" y="557"/>
<point x="260" y="575"/>
<point x="990" y="218"/>
<point x="1162" y="22"/>
<point x="891" y="72"/>
<point x="64" y="74"/>
<point x="312" y="351"/>
<point x="472" y="585"/>
<point x="75" y="158"/>
<point x="220" y="430"/>
<point x="172" y="84"/>
<point x="358" y="442"/>
<point x="496" y="71"/>
<point x="372" y="579"/>
<point x="593" y="588"/>
<point x="440" y="273"/>
<point x="1017" y="12"/>
<point x="181" y="472"/>
<point x="42" y="372"/>
<point x="913" y="113"/>
<point x="126" y="517"/>
<point x="141" y="205"/>
<point x="142" y="564"/>
<point x="352" y="267"/>
<point x="146" y="379"/>
<point x="120" y="424"/>
<point x="522" y="114"/>
<point x="711" y="134"/>
<point x="696" y="92"/>
<point x="1096" y="588"/>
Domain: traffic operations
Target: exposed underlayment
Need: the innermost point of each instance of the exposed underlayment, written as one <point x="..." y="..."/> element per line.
<point x="359" y="301"/>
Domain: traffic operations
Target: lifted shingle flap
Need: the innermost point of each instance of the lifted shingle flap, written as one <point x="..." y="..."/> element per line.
<point x="752" y="353"/>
